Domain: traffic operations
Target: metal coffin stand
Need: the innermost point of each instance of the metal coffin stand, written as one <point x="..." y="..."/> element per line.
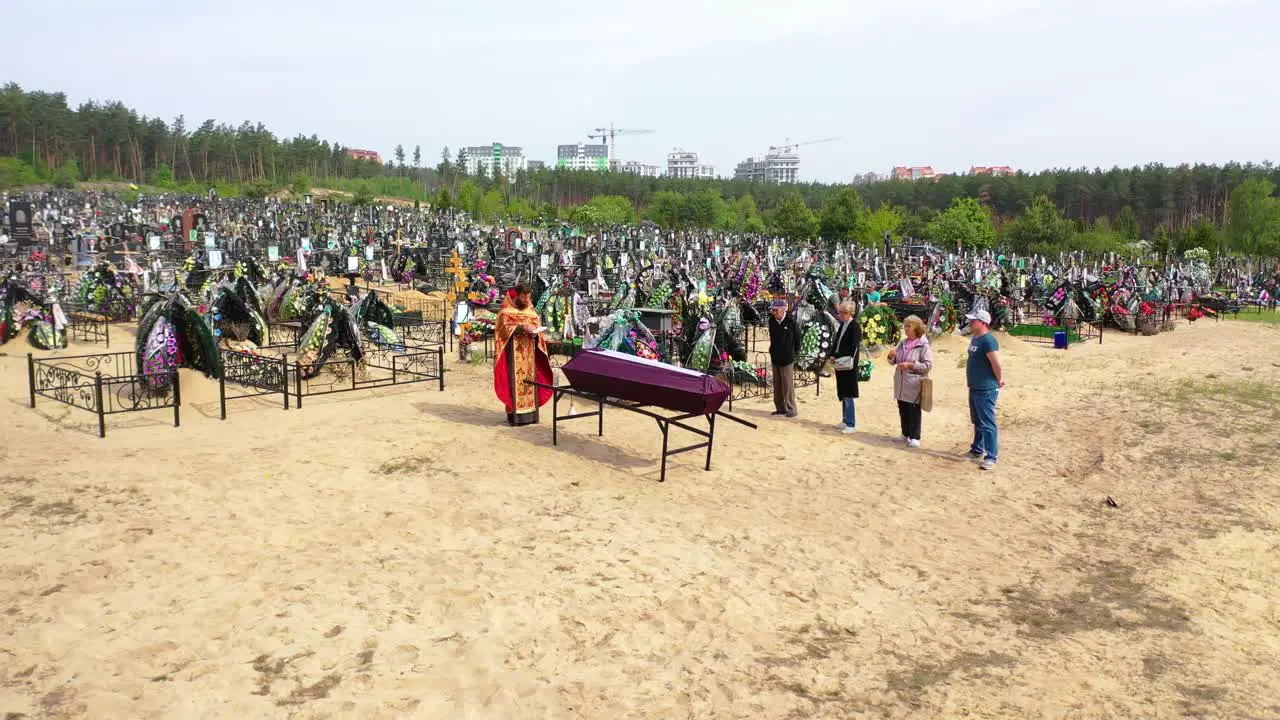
<point x="665" y="422"/>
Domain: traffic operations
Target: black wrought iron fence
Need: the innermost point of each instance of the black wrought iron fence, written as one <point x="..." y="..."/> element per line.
<point x="103" y="384"/>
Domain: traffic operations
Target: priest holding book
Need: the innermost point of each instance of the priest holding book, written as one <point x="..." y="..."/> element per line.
<point x="522" y="356"/>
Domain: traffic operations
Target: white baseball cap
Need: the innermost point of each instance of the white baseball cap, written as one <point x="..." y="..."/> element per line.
<point x="981" y="315"/>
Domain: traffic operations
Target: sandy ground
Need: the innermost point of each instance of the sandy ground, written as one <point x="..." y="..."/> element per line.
<point x="404" y="554"/>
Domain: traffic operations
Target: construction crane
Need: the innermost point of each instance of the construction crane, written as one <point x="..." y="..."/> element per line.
<point x="611" y="134"/>
<point x="789" y="147"/>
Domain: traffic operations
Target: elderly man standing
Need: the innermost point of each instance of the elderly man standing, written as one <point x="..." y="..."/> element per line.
<point x="784" y="344"/>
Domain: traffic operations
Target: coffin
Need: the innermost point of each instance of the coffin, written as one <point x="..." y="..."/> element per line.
<point x="626" y="377"/>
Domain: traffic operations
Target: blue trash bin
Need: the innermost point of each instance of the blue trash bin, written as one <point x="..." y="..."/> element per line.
<point x="1060" y="340"/>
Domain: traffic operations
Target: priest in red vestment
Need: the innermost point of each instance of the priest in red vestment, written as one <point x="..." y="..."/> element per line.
<point x="522" y="355"/>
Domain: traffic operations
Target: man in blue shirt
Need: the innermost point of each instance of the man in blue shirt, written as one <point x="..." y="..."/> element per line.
<point x="986" y="376"/>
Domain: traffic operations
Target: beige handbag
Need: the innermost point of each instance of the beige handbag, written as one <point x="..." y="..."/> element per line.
<point x="926" y="394"/>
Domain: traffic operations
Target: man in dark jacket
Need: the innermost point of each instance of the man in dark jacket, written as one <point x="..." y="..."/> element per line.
<point x="784" y="345"/>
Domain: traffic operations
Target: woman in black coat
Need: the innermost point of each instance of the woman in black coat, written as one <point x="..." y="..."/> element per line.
<point x="848" y="343"/>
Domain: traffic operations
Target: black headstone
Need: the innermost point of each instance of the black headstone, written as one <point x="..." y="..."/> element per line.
<point x="20" y="222"/>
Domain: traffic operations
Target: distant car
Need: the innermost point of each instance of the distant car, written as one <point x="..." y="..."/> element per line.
<point x="920" y="250"/>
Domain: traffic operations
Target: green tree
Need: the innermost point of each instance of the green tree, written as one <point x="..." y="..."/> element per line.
<point x="67" y="175"/>
<point x="665" y="208"/>
<point x="1127" y="223"/>
<point x="399" y="153"/>
<point x="443" y="200"/>
<point x="793" y="218"/>
<point x="521" y="210"/>
<point x="445" y="168"/>
<point x="258" y="190"/>
<point x="1100" y="239"/>
<point x="162" y="177"/>
<point x="913" y="226"/>
<point x="603" y="210"/>
<point x="966" y="223"/>
<point x="1254" y="228"/>
<point x="1041" y="229"/>
<point x="301" y="184"/>
<point x="491" y="206"/>
<point x="363" y="194"/>
<point x="417" y="155"/>
<point x="703" y="209"/>
<point x="1203" y="234"/>
<point x="844" y="217"/>
<point x="469" y="198"/>
<point x="1163" y="242"/>
<point x="744" y="216"/>
<point x="886" y="219"/>
<point x="548" y="215"/>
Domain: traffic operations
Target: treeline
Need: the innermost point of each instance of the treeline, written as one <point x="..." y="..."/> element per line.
<point x="111" y="141"/>
<point x="1166" y="206"/>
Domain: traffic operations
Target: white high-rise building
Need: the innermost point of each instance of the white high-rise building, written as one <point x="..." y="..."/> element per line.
<point x="582" y="156"/>
<point x="483" y="159"/>
<point x="639" y="168"/>
<point x="684" y="164"/>
<point x="780" y="166"/>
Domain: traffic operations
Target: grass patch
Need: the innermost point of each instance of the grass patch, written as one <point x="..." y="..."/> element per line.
<point x="1151" y="425"/>
<point x="1043" y="331"/>
<point x="62" y="509"/>
<point x="1254" y="394"/>
<point x="1109" y="597"/>
<point x="404" y="465"/>
<point x="316" y="691"/>
<point x="17" y="503"/>
<point x="1198" y="700"/>
<point x="817" y="641"/>
<point x="1241" y="414"/>
<point x="809" y="645"/>
<point x="1237" y="398"/>
<point x="911" y="684"/>
<point x="1216" y="516"/>
<point x="1153" y="666"/>
<point x="1266" y="317"/>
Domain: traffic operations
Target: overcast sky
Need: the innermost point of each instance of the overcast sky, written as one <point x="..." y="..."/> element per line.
<point x="948" y="83"/>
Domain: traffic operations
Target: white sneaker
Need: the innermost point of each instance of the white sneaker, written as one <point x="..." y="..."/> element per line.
<point x="849" y="430"/>
<point x="913" y="443"/>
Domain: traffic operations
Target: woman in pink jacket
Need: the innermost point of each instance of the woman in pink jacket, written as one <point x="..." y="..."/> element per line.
<point x="912" y="360"/>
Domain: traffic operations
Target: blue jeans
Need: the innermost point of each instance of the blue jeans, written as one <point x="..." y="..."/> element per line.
<point x="847" y="410"/>
<point x="982" y="412"/>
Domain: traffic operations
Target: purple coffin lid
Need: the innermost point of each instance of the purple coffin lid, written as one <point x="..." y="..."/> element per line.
<point x="626" y="377"/>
